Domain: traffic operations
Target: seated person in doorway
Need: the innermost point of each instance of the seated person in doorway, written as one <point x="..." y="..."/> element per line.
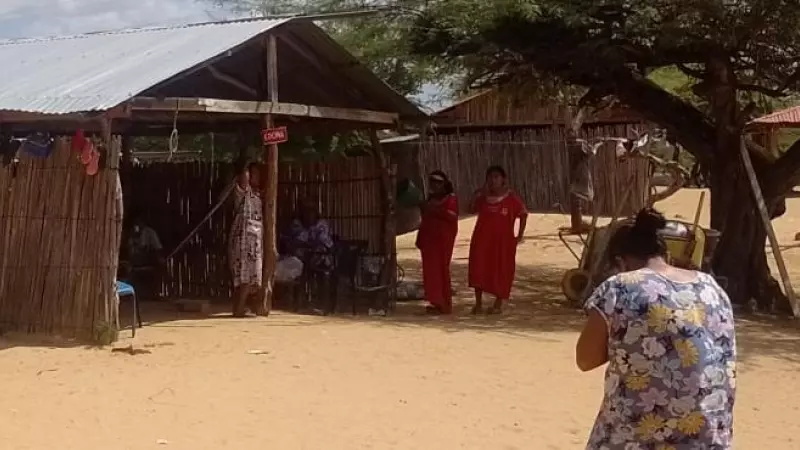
<point x="309" y="238"/>
<point x="143" y="258"/>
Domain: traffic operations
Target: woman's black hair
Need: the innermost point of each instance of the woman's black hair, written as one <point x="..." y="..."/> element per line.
<point x="642" y="239"/>
<point x="244" y="165"/>
<point x="496" y="169"/>
<point x="448" y="185"/>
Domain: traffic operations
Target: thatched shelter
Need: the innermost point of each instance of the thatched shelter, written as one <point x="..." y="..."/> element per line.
<point x="61" y="228"/>
<point x="528" y="136"/>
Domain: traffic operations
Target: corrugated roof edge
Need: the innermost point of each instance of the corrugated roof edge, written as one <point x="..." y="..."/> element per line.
<point x="150" y="29"/>
<point x="789" y="115"/>
<point x="407" y="108"/>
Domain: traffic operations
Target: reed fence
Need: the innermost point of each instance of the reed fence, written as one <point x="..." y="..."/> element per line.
<point x="536" y="161"/>
<point x="514" y="107"/>
<point x="59" y="243"/>
<point x="174" y="198"/>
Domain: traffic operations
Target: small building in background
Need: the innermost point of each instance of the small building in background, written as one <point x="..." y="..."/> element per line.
<point x="527" y="137"/>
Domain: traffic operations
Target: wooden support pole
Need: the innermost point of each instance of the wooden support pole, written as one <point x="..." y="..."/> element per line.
<point x="773" y="240"/>
<point x="388" y="247"/>
<point x="270" y="183"/>
<point x="127" y="154"/>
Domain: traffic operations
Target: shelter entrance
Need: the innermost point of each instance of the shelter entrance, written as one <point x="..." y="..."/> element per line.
<point x="242" y="78"/>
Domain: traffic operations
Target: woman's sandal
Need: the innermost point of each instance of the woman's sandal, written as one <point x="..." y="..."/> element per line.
<point x="494" y="310"/>
<point x="433" y="311"/>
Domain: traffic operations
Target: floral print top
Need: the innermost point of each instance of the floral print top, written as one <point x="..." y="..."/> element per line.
<point x="671" y="376"/>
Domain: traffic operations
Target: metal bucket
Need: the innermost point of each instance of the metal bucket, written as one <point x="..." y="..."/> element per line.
<point x="712" y="240"/>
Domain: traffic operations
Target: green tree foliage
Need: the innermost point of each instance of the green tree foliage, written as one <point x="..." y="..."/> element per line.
<point x="716" y="63"/>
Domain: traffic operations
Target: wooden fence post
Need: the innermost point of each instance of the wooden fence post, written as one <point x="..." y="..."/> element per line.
<point x="389" y="226"/>
<point x="773" y="240"/>
<point x="270" y="185"/>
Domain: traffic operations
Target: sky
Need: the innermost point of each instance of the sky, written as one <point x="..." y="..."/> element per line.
<point x="39" y="18"/>
<point x="36" y="18"/>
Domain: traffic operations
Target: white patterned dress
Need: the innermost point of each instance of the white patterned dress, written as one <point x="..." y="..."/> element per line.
<point x="245" y="245"/>
<point x="671" y="376"/>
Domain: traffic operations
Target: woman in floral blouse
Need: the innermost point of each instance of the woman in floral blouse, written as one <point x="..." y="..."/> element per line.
<point x="245" y="252"/>
<point x="667" y="335"/>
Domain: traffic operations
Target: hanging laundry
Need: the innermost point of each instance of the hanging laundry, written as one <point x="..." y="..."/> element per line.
<point x="93" y="166"/>
<point x="78" y="141"/>
<point x="86" y="151"/>
<point x="38" y="144"/>
<point x="581" y="156"/>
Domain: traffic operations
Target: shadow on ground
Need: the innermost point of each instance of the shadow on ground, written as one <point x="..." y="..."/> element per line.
<point x="537" y="306"/>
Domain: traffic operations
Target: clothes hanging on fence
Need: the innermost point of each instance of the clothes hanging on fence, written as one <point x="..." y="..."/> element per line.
<point x="581" y="162"/>
<point x="38" y="145"/>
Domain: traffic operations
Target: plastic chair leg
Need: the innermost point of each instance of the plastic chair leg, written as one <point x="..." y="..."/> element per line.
<point x="135" y="313"/>
<point x="138" y="312"/>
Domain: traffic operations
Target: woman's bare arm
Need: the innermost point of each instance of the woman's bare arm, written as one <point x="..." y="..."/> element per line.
<point x="473" y="203"/>
<point x="523" y="223"/>
<point x="591" y="351"/>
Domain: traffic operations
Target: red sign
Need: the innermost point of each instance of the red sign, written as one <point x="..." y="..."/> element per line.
<point x="275" y="135"/>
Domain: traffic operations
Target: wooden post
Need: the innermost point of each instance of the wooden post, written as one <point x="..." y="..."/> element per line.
<point x="389" y="226"/>
<point x="773" y="240"/>
<point x="270" y="183"/>
<point x="127" y="151"/>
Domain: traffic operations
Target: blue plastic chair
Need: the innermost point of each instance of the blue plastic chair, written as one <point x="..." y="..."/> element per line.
<point x="126" y="290"/>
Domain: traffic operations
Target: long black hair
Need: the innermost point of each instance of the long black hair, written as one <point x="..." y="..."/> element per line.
<point x="448" y="185"/>
<point x="642" y="239"/>
<point x="496" y="169"/>
<point x="245" y="165"/>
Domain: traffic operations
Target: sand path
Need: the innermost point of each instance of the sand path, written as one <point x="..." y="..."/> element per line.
<point x="404" y="382"/>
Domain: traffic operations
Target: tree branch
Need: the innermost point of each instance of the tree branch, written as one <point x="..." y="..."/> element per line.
<point x="769" y="92"/>
<point x="693" y="73"/>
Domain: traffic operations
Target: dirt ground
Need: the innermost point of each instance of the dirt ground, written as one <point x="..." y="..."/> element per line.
<point x="404" y="382"/>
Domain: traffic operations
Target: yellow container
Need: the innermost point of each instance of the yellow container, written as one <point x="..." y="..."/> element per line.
<point x="677" y="247"/>
<point x="676" y="236"/>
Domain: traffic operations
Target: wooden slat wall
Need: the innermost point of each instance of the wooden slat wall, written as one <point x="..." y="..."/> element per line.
<point x="174" y="198"/>
<point x="501" y="107"/>
<point x="537" y="166"/>
<point x="59" y="243"/>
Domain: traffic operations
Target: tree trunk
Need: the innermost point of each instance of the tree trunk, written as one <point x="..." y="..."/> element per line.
<point x="741" y="256"/>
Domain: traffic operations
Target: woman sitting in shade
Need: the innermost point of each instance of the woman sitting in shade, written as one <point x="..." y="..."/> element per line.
<point x="435" y="240"/>
<point x="493" y="248"/>
<point x="309" y="237"/>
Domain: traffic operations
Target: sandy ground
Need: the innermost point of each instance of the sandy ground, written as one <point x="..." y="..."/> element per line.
<point x="405" y="382"/>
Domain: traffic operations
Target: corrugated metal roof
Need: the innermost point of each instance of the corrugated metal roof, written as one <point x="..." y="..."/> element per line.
<point x="789" y="117"/>
<point x="98" y="71"/>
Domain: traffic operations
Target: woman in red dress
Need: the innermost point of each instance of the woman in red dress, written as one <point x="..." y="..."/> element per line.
<point x="435" y="240"/>
<point x="493" y="248"/>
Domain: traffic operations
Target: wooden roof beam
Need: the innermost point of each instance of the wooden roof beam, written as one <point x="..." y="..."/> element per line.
<point x="219" y="106"/>
<point x="225" y="78"/>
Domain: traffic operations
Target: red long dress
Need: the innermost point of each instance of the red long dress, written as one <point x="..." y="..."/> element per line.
<point x="493" y="248"/>
<point x="435" y="240"/>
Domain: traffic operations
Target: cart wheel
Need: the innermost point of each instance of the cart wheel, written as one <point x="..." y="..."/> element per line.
<point x="573" y="283"/>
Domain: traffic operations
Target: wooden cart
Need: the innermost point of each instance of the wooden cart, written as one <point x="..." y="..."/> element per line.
<point x="684" y="241"/>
